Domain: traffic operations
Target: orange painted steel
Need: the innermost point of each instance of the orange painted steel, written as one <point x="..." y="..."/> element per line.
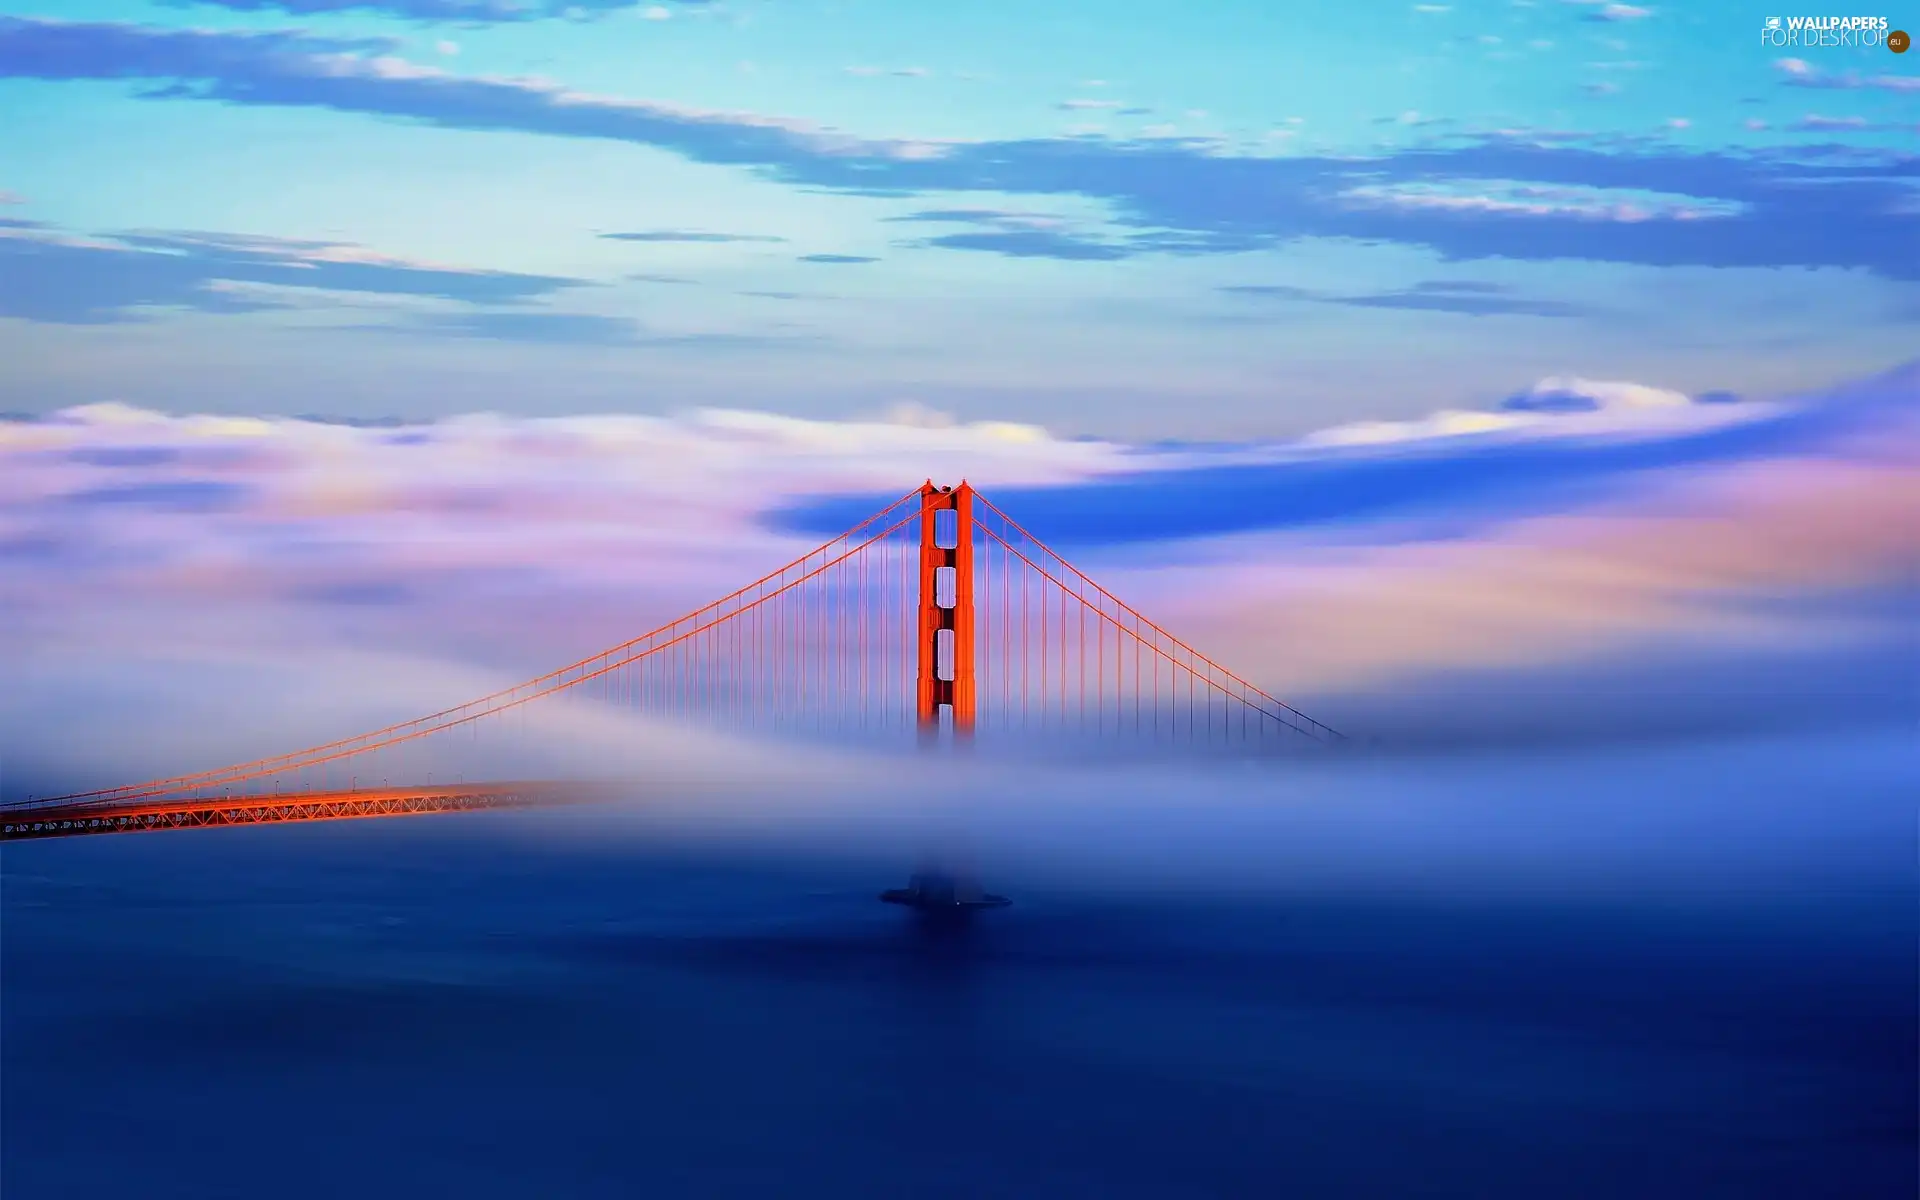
<point x="965" y="697"/>
<point x="268" y="809"/>
<point x="955" y="691"/>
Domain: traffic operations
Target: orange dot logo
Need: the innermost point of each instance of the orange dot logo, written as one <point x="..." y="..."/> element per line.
<point x="1898" y="41"/>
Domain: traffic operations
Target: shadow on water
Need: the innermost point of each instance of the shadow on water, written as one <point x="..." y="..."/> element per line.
<point x="893" y="949"/>
<point x="390" y="1013"/>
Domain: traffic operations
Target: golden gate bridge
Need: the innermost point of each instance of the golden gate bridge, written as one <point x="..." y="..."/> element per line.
<point x="938" y="618"/>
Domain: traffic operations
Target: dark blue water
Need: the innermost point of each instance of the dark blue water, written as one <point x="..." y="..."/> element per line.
<point x="428" y="1007"/>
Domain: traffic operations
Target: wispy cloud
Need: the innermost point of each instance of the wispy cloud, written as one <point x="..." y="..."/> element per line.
<point x="984" y="216"/>
<point x="1460" y="297"/>
<point x="1031" y="243"/>
<point x="1798" y="72"/>
<point x="1605" y="12"/>
<point x="1413" y="119"/>
<point x="1479" y="286"/>
<point x="1621" y="206"/>
<point x="1466" y="305"/>
<point x="62" y="279"/>
<point x="1199" y="193"/>
<point x="689" y="235"/>
<point x="288" y="68"/>
<point x="546" y="328"/>
<point x="1816" y="123"/>
<point x="837" y="259"/>
<point x="1017" y="235"/>
<point x="1271" y="291"/>
<point x="52" y="277"/>
<point x="464" y="12"/>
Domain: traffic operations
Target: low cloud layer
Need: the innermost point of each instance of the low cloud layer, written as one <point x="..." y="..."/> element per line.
<point x="231" y="572"/>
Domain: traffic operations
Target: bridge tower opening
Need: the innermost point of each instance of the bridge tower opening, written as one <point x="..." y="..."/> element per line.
<point x="946" y="653"/>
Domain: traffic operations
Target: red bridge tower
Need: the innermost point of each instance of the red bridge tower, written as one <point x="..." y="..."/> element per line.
<point x="946" y="609"/>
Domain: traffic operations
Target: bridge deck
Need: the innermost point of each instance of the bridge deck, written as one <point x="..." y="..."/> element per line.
<point x="68" y="820"/>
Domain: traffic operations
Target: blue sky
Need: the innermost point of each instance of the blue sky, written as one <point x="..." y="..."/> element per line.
<point x="1251" y="220"/>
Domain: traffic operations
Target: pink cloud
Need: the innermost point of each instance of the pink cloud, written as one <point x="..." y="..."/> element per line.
<point x="1688" y="559"/>
<point x="247" y="576"/>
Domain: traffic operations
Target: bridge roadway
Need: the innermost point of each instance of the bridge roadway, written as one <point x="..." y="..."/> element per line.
<point x="25" y="821"/>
